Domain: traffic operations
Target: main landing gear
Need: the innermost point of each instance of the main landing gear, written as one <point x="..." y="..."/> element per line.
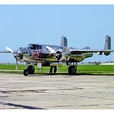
<point x="72" y="68"/>
<point x="29" y="70"/>
<point x="53" y="69"/>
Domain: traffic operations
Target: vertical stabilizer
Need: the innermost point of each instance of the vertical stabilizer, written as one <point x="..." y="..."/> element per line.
<point x="63" y="41"/>
<point x="107" y="45"/>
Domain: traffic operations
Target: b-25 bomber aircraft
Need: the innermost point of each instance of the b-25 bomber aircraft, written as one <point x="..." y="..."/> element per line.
<point x="38" y="53"/>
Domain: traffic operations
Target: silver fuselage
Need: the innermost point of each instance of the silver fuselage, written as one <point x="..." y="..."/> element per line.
<point x="39" y="53"/>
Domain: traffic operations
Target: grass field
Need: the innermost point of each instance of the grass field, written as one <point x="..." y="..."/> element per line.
<point x="87" y="69"/>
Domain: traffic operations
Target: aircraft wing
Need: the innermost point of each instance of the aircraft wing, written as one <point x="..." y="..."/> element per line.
<point x="79" y="51"/>
<point x="5" y="52"/>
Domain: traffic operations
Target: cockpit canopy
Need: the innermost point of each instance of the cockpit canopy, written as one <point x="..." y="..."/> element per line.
<point x="34" y="46"/>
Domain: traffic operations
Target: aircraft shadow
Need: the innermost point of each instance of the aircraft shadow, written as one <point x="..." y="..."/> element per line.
<point x="21" y="106"/>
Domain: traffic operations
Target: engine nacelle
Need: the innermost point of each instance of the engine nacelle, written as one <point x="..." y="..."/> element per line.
<point x="106" y="53"/>
<point x="18" y="56"/>
<point x="58" y="55"/>
<point x="99" y="53"/>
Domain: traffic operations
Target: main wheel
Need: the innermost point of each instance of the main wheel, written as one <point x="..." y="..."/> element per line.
<point x="26" y="73"/>
<point x="72" y="70"/>
<point x="31" y="69"/>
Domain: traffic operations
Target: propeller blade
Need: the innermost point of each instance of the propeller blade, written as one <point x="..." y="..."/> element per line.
<point x="51" y="49"/>
<point x="10" y="50"/>
<point x="66" y="49"/>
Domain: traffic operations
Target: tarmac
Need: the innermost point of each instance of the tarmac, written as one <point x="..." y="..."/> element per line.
<point x="43" y="92"/>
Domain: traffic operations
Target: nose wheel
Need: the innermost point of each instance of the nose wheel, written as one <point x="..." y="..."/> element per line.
<point x="29" y="70"/>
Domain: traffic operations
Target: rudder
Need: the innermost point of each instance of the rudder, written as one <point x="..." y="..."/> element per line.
<point x="63" y="42"/>
<point x="107" y="45"/>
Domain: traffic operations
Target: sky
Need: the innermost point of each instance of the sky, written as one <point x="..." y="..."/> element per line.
<point x="83" y="25"/>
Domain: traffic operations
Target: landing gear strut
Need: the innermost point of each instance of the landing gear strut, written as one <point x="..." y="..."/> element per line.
<point x="51" y="69"/>
<point x="29" y="70"/>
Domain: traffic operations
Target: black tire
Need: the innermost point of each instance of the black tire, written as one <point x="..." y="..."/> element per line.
<point x="26" y="73"/>
<point x="31" y="69"/>
<point x="72" y="70"/>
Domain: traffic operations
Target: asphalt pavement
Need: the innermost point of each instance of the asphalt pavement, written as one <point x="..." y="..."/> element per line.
<point x="43" y="92"/>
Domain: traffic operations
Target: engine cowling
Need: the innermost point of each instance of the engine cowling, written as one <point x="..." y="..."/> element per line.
<point x="18" y="56"/>
<point x="106" y="53"/>
<point x="58" y="55"/>
<point x="99" y="53"/>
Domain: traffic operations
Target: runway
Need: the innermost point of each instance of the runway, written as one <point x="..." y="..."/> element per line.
<point x="45" y="92"/>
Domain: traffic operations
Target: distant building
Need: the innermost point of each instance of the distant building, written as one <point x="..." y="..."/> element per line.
<point x="106" y="63"/>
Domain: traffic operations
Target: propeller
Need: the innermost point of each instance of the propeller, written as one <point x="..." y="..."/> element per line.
<point x="58" y="54"/>
<point x="11" y="51"/>
<point x="52" y="51"/>
<point x="66" y="50"/>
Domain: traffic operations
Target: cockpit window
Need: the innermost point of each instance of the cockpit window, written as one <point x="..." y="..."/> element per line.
<point x="35" y="46"/>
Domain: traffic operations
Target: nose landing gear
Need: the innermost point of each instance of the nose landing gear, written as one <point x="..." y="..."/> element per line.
<point x="29" y="70"/>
